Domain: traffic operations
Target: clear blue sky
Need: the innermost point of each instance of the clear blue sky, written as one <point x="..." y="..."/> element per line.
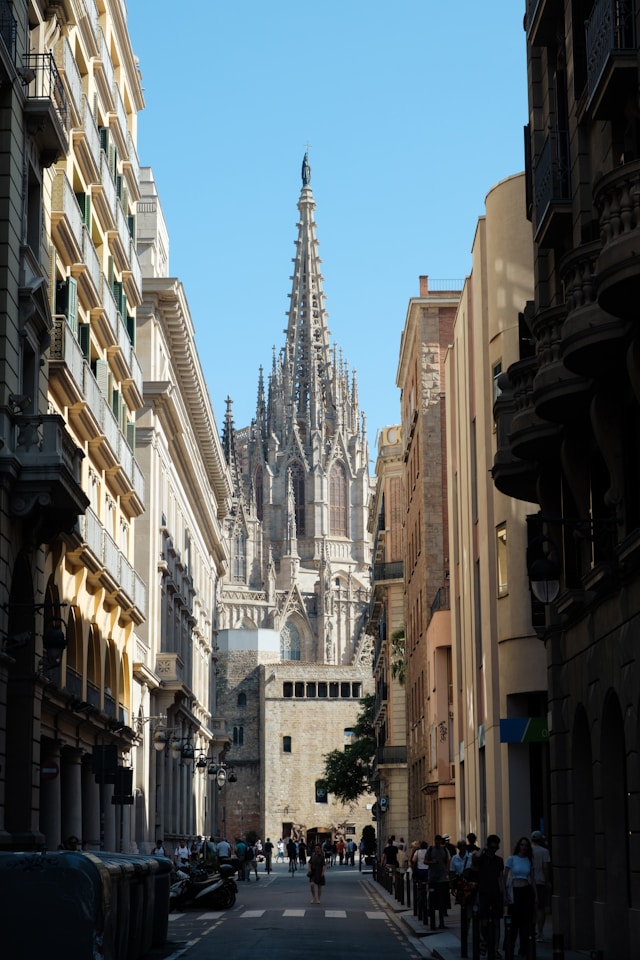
<point x="413" y="111"/>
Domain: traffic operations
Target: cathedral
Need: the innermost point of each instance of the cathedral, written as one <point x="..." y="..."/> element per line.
<point x="293" y="657"/>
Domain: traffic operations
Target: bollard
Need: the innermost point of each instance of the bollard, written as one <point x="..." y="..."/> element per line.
<point x="408" y="886"/>
<point x="416" y="897"/>
<point x="463" y="931"/>
<point x="475" y="932"/>
<point x="557" y="942"/>
<point x="491" y="937"/>
<point x="508" y="938"/>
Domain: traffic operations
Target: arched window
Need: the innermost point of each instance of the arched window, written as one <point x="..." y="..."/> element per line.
<point x="259" y="493"/>
<point x="338" y="501"/>
<point x="297" y="481"/>
<point x="239" y="558"/>
<point x="242" y="699"/>
<point x="289" y="642"/>
<point x="238" y="736"/>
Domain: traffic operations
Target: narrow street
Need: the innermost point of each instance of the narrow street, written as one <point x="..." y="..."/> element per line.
<point x="274" y="918"/>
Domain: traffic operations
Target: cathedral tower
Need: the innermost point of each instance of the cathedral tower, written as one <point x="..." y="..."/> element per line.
<point x="296" y="600"/>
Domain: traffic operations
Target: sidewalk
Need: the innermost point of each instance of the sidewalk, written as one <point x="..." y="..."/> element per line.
<point x="445" y="944"/>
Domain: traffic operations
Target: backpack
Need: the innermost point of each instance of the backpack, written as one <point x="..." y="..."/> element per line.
<point x="248" y="853"/>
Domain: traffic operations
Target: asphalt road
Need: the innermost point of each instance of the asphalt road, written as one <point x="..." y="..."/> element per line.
<point x="274" y="918"/>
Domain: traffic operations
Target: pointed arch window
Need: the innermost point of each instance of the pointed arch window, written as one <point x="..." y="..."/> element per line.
<point x="289" y="642"/>
<point x="338" y="501"/>
<point x="239" y="557"/>
<point x="297" y="482"/>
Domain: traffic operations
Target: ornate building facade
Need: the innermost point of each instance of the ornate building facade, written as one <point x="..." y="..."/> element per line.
<point x="294" y="655"/>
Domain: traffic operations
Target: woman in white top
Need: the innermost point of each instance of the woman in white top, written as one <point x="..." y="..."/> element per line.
<point x="419" y="861"/>
<point x="521" y="892"/>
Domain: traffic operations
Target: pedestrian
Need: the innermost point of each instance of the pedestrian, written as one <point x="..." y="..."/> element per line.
<point x="302" y="852"/>
<point x="472" y="846"/>
<point x="241" y="849"/>
<point x="73" y="843"/>
<point x="280" y="856"/>
<point x="351" y="852"/>
<point x="292" y="855"/>
<point x="182" y="854"/>
<point x="340" y="850"/>
<point x="521" y="894"/>
<point x="489" y="869"/>
<point x="268" y="853"/>
<point x="390" y="856"/>
<point x="209" y="855"/>
<point x="159" y="849"/>
<point x="418" y="861"/>
<point x="251" y="861"/>
<point x="438" y="862"/>
<point x="463" y="892"/>
<point x="315" y="872"/>
<point x="542" y="879"/>
<point x="224" y="851"/>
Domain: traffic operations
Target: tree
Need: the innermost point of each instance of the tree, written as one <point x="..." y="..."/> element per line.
<point x="346" y="772"/>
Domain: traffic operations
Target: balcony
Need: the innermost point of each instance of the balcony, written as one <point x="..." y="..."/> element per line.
<point x="532" y="438"/>
<point x="118" y="122"/>
<point x="552" y="190"/>
<point x="592" y="340"/>
<point x="104" y="73"/>
<point x="132" y="276"/>
<point x="41" y="466"/>
<point x="542" y="17"/>
<point x="558" y="394"/>
<point x="617" y="199"/>
<point x="384" y="572"/>
<point x="46" y="107"/>
<point x="88" y="272"/>
<point x="86" y="143"/>
<point x="66" y="364"/>
<point x="170" y="670"/>
<point x="391" y="756"/>
<point x="611" y="58"/>
<point x="131" y="169"/>
<point x="120" y="240"/>
<point x="104" y="317"/>
<point x="66" y="219"/>
<point x="70" y="76"/>
<point x="511" y="475"/>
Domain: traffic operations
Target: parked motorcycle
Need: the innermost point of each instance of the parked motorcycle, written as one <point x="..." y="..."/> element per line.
<point x="197" y="888"/>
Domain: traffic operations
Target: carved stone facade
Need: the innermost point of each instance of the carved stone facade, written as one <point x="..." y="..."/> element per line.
<point x="298" y="590"/>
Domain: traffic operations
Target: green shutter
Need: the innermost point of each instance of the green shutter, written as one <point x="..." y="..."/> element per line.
<point x="84" y="339"/>
<point x="117" y="294"/>
<point x="104" y="139"/>
<point x="84" y="202"/>
<point x="131" y="434"/>
<point x="131" y="329"/>
<point x="110" y="272"/>
<point x="72" y="305"/>
<point x="132" y="226"/>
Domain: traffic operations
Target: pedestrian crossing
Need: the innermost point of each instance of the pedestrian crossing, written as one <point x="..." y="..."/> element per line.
<point x="314" y="910"/>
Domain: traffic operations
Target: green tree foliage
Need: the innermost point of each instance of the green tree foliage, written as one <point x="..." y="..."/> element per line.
<point x="346" y="772"/>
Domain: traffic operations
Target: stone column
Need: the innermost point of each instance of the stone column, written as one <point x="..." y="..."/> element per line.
<point x="90" y="805"/>
<point x="110" y="834"/>
<point x="71" y="793"/>
<point x="50" y="795"/>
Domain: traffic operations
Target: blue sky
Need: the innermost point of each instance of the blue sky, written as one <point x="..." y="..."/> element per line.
<point x="413" y="111"/>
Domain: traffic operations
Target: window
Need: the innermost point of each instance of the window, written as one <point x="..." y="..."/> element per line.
<point x="322" y="690"/>
<point x="289" y="642"/>
<point x="348" y="736"/>
<point x="242" y="699"/>
<point x="345" y="689"/>
<point x="287" y="689"/>
<point x="338" y="501"/>
<point x="238" y="736"/>
<point x="257" y="483"/>
<point x="321" y="792"/>
<point x="297" y="483"/>
<point x="334" y="689"/>
<point x="501" y="556"/>
<point x="299" y="689"/>
<point x="311" y="689"/>
<point x="239" y="561"/>
<point x="286" y="744"/>
<point x="497" y="370"/>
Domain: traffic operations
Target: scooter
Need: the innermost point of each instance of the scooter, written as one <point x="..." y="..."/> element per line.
<point x="199" y="889"/>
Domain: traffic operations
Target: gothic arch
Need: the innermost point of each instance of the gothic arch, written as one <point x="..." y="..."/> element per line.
<point x="94" y="666"/>
<point x="338" y="513"/>
<point x="110" y="680"/>
<point x="123" y="690"/>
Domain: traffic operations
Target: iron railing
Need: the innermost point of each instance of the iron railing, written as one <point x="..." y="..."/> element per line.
<point x="43" y="82"/>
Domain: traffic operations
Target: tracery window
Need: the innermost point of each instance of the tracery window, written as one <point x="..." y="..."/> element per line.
<point x="259" y="493"/>
<point x="338" y="501"/>
<point x="289" y="642"/>
<point x="239" y="557"/>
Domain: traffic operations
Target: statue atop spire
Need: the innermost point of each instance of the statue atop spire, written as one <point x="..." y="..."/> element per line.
<point x="306" y="171"/>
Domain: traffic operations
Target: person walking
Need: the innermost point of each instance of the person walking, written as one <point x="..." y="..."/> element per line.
<point x="181" y="854"/>
<point x="521" y="894"/>
<point x="292" y="854"/>
<point x="542" y="880"/>
<point x="491" y="892"/>
<point x="438" y="862"/>
<point x="268" y="854"/>
<point x="390" y="856"/>
<point x="280" y="854"/>
<point x="251" y="861"/>
<point x="315" y="872"/>
<point x="224" y="851"/>
<point x="241" y="849"/>
<point x="302" y="853"/>
<point x="159" y="849"/>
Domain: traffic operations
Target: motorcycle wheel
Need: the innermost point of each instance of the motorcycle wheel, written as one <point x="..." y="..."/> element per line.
<point x="229" y="900"/>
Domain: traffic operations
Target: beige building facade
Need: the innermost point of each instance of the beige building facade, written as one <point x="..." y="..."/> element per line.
<point x="181" y="553"/>
<point x="499" y="663"/>
<point x="387" y="626"/>
<point x="421" y="378"/>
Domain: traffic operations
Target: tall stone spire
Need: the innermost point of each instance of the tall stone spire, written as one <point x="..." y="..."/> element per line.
<point x="230" y="455"/>
<point x="307" y="356"/>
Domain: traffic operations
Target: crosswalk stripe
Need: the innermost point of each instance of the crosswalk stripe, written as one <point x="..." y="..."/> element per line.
<point x="339" y="914"/>
<point x="214" y="915"/>
<point x="294" y="913"/>
<point x="253" y="913"/>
